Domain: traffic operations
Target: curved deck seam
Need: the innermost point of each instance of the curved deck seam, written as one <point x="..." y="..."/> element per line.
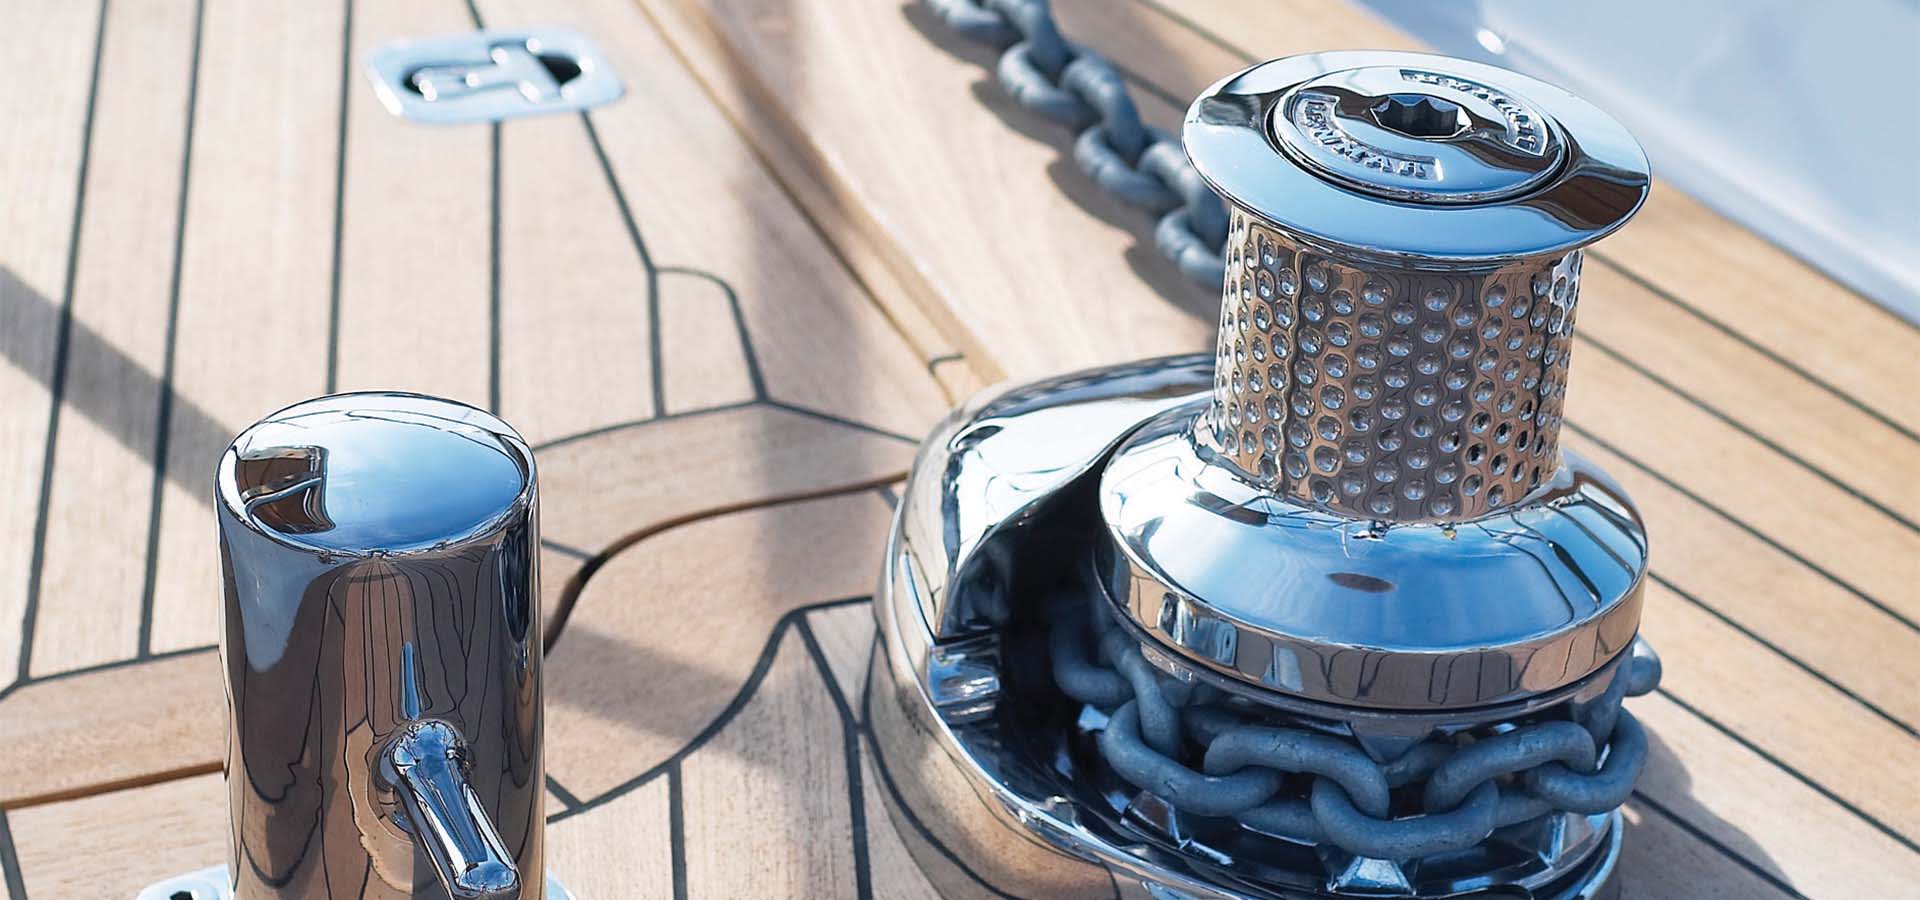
<point x="570" y="593"/>
<point x="769" y="649"/>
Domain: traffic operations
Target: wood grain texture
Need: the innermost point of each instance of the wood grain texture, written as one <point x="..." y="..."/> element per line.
<point x="411" y="195"/>
<point x="113" y="844"/>
<point x="76" y="734"/>
<point x="102" y="458"/>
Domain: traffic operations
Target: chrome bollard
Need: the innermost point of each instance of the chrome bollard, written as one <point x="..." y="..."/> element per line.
<point x="1327" y="613"/>
<point x="382" y="654"/>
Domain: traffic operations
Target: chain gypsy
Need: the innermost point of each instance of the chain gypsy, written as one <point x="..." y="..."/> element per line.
<point x="1071" y="85"/>
<point x="1467" y="785"/>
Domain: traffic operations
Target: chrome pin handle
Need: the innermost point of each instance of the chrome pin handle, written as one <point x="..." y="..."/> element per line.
<point x="427" y="763"/>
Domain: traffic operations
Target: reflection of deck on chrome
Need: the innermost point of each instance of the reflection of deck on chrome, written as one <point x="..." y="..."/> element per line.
<point x="724" y="305"/>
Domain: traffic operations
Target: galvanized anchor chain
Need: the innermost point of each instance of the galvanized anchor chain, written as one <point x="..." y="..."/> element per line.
<point x="1511" y="774"/>
<point x="1069" y="84"/>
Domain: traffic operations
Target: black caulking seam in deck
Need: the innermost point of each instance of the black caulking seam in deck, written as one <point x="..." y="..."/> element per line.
<point x="1777" y="650"/>
<point x="560" y="792"/>
<point x="1795" y="773"/>
<point x="10" y="862"/>
<point x="1742" y="339"/>
<point x="677" y="830"/>
<point x="659" y="387"/>
<point x="493" y="249"/>
<point x="493" y="269"/>
<point x="1742" y="524"/>
<point x="850" y="752"/>
<point x="339" y="199"/>
<point x="163" y="411"/>
<point x="935" y="362"/>
<point x="104" y="667"/>
<point x="1780" y="449"/>
<point x="755" y="376"/>
<point x="600" y="430"/>
<point x="1699" y="834"/>
<point x="62" y="340"/>
<point x="838" y="420"/>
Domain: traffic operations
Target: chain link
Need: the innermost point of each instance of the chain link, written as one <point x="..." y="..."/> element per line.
<point x="1467" y="786"/>
<point x="1071" y="85"/>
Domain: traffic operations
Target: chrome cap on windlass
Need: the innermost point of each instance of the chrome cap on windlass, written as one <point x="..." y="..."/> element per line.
<point x="1414" y="158"/>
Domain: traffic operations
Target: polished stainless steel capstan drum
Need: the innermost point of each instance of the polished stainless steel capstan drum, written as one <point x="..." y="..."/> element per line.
<point x="1328" y="612"/>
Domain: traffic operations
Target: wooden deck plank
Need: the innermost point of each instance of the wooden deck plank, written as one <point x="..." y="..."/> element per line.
<point x="846" y="637"/>
<point x="625" y="849"/>
<point x="1662" y="860"/>
<point x="413" y="194"/>
<point x="101" y="491"/>
<point x="1762" y="813"/>
<point x="1842" y="441"/>
<point x="1739" y="575"/>
<point x="772" y="455"/>
<point x="781" y="765"/>
<point x="704" y="362"/>
<point x="1768" y="489"/>
<point x="251" y="334"/>
<point x="114" y="844"/>
<point x="71" y="735"/>
<point x="1787" y="712"/>
<point x="40" y="169"/>
<point x="895" y="872"/>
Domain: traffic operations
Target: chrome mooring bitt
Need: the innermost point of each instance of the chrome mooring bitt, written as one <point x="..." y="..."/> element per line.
<point x="1328" y="612"/>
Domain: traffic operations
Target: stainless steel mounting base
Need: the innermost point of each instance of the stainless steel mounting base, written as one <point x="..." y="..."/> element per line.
<point x="212" y="883"/>
<point x="981" y="744"/>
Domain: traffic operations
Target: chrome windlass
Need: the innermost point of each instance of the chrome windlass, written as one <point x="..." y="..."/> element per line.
<point x="1328" y="613"/>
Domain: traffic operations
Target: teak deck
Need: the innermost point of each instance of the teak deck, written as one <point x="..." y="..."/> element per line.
<point x="724" y="307"/>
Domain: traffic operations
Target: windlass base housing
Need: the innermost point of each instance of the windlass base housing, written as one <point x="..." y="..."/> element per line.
<point x="1328" y="613"/>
